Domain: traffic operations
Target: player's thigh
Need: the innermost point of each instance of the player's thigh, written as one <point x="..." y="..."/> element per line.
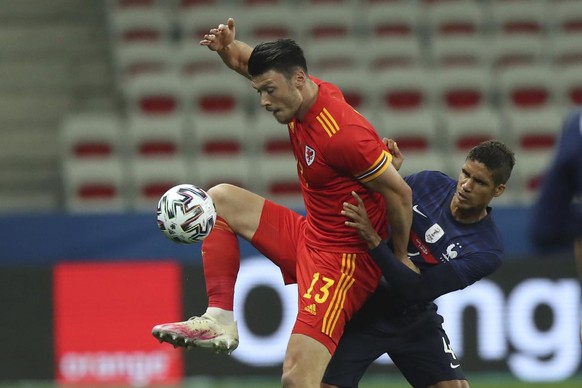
<point x="305" y="361"/>
<point x="358" y="348"/>
<point x="428" y="359"/>
<point x="239" y="207"/>
<point x="278" y="236"/>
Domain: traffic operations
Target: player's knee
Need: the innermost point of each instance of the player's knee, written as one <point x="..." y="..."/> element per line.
<point x="223" y="196"/>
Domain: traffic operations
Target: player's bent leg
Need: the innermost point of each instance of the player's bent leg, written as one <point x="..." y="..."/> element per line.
<point x="240" y="208"/>
<point x="240" y="211"/>
<point x="451" y="384"/>
<point x="305" y="362"/>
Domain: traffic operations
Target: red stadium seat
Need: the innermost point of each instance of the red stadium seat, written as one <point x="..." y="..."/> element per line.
<point x="533" y="130"/>
<point x="458" y="89"/>
<point x="403" y="90"/>
<point x="149" y="179"/>
<point x="91" y="136"/>
<point x="526" y="87"/>
<point x="519" y="17"/>
<point x="155" y="137"/>
<point x="95" y="185"/>
<point x="392" y="19"/>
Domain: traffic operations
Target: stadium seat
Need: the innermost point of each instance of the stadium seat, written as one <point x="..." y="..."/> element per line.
<point x="325" y="22"/>
<point x="464" y="130"/>
<point x="566" y="17"/>
<point x="115" y="5"/>
<point x="450" y="18"/>
<point x="402" y="90"/>
<point x="459" y="51"/>
<point x="149" y="179"/>
<point x="431" y="160"/>
<point x="217" y="95"/>
<point x="194" y="60"/>
<point x="132" y="25"/>
<point x="533" y="130"/>
<point x="195" y="21"/>
<point x="387" y="53"/>
<point x="338" y="54"/>
<point x="191" y="5"/>
<point x="268" y="135"/>
<point x="92" y="136"/>
<point x="210" y="170"/>
<point x="417" y="133"/>
<point x="391" y="19"/>
<point x="155" y="137"/>
<point x="565" y="50"/>
<point x="219" y="134"/>
<point x="569" y="90"/>
<point x="278" y="180"/>
<point x="267" y="22"/>
<point x="154" y="95"/>
<point x="519" y="17"/>
<point x="95" y="185"/>
<point x="518" y="49"/>
<point x="526" y="87"/>
<point x="528" y="174"/>
<point x="136" y="59"/>
<point x="462" y="89"/>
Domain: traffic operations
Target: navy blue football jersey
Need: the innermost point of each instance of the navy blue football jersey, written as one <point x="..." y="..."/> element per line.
<point x="474" y="250"/>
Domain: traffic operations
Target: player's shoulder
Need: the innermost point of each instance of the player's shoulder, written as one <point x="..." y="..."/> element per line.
<point x="425" y="177"/>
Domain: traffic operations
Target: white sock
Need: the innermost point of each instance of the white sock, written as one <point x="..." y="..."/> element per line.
<point x="222" y="316"/>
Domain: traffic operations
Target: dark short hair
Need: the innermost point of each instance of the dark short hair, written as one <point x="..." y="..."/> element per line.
<point x="282" y="55"/>
<point x="496" y="156"/>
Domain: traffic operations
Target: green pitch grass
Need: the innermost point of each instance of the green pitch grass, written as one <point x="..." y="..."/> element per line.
<point x="385" y="381"/>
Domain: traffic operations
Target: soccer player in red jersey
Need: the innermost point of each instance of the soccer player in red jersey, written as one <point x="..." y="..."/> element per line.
<point x="338" y="152"/>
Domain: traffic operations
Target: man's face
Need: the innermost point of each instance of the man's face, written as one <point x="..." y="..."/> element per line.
<point x="278" y="95"/>
<point x="476" y="187"/>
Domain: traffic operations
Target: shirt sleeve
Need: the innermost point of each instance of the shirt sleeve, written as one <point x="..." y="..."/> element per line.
<point x="435" y="281"/>
<point x="555" y="218"/>
<point x="359" y="153"/>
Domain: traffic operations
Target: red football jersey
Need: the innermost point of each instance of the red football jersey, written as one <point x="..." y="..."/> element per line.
<point x="337" y="150"/>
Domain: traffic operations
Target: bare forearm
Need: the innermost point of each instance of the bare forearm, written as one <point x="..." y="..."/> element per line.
<point x="236" y="56"/>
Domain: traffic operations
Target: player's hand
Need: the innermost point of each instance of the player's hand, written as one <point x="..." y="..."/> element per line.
<point x="359" y="220"/>
<point x="397" y="157"/>
<point x="220" y="37"/>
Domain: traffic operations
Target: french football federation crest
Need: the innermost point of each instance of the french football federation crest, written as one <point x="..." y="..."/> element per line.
<point x="309" y="155"/>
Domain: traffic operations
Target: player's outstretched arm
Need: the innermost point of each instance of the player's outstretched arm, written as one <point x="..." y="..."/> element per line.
<point x="234" y="53"/>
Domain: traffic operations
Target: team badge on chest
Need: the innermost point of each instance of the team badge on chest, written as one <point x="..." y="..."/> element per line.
<point x="309" y="155"/>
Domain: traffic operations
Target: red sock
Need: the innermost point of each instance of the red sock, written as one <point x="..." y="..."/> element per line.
<point x="221" y="260"/>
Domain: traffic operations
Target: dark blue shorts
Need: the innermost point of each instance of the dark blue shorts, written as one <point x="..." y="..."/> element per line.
<point x="414" y="340"/>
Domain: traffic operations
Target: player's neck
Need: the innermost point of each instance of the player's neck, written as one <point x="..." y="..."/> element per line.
<point x="468" y="216"/>
<point x="310" y="93"/>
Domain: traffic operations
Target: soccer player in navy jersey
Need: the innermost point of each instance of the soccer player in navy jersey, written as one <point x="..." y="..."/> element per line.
<point x="454" y="242"/>
<point x="557" y="213"/>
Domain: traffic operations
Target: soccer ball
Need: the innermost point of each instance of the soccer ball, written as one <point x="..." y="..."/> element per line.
<point x="186" y="214"/>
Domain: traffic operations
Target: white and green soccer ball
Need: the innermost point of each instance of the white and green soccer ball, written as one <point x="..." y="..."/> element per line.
<point x="186" y="214"/>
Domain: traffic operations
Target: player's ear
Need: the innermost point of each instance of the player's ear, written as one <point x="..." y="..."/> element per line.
<point x="299" y="78"/>
<point x="500" y="189"/>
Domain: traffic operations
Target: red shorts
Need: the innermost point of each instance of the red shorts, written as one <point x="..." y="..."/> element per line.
<point x="332" y="285"/>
